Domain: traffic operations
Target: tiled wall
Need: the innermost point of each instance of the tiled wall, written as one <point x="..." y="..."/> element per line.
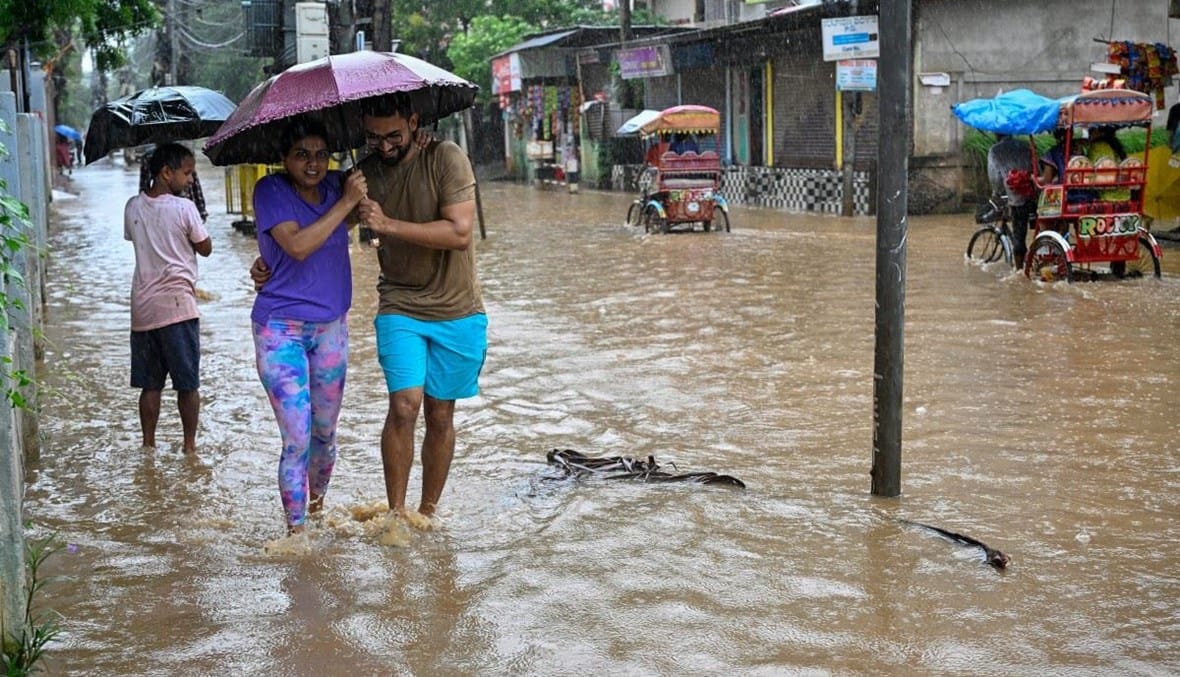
<point x="794" y="190"/>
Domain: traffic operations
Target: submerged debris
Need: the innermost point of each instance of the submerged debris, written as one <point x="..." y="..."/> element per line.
<point x="577" y="464"/>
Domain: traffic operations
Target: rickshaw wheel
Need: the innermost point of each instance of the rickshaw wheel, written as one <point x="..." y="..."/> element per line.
<point x="1147" y="263"/>
<point x="1047" y="262"/>
<point x="633" y="212"/>
<point x="720" y="220"/>
<point x="652" y="222"/>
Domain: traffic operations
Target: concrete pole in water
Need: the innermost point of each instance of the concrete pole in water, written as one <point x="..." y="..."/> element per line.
<point x="892" y="168"/>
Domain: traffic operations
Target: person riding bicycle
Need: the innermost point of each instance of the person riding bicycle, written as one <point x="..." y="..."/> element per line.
<point x="1006" y="158"/>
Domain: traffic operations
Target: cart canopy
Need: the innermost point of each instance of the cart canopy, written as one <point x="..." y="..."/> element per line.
<point x="1107" y="107"/>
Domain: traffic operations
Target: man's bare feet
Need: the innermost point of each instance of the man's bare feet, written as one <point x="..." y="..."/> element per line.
<point x="419" y="521"/>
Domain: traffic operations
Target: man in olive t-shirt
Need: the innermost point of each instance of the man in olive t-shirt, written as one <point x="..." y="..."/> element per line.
<point x="431" y="326"/>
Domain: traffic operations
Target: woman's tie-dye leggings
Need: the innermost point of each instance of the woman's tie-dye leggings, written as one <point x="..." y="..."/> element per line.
<point x="302" y="365"/>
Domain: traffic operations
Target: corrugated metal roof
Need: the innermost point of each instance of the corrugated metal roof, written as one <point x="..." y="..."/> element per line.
<point x="581" y="36"/>
<point x="541" y="41"/>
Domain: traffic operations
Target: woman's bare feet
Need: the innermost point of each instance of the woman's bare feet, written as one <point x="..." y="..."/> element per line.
<point x="315" y="505"/>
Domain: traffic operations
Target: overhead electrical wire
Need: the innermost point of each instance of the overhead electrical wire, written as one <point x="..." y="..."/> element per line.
<point x="192" y="41"/>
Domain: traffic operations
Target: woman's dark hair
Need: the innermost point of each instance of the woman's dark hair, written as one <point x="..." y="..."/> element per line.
<point x="169" y="155"/>
<point x="301" y="128"/>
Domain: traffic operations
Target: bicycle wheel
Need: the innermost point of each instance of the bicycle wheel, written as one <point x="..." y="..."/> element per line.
<point x="633" y="212"/>
<point x="653" y="222"/>
<point x="720" y="220"/>
<point x="1147" y="263"/>
<point x="1047" y="261"/>
<point x="988" y="245"/>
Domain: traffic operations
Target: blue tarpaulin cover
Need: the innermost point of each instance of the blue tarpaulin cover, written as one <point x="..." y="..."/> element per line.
<point x="1019" y="111"/>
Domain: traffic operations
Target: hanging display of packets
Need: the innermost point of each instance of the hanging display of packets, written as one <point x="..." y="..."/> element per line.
<point x="1146" y="67"/>
<point x="536" y="112"/>
<point x="575" y="107"/>
<point x="550" y="108"/>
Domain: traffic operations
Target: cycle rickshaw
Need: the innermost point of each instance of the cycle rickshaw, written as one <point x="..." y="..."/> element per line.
<point x="679" y="187"/>
<point x="1094" y="212"/>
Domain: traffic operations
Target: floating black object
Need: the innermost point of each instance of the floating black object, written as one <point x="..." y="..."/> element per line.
<point x="576" y="463"/>
<point x="992" y="556"/>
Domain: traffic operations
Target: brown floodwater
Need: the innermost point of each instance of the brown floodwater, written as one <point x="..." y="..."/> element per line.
<point x="1040" y="419"/>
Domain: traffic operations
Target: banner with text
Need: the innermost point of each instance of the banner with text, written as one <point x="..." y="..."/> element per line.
<point x="645" y="62"/>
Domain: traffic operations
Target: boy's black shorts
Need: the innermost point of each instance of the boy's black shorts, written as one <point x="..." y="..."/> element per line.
<point x="171" y="350"/>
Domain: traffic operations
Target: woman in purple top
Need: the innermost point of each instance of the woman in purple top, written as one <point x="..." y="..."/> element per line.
<point x="300" y="317"/>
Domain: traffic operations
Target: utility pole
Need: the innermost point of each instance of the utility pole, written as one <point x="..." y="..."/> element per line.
<point x="173" y="44"/>
<point x="893" y="165"/>
<point x="382" y="26"/>
<point x="624" y="21"/>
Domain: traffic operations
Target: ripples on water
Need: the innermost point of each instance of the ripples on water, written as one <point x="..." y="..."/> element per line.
<point x="1037" y="418"/>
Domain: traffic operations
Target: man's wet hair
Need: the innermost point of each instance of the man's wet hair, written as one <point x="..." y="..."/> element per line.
<point x="168" y="155"/>
<point x="300" y="128"/>
<point x="388" y="105"/>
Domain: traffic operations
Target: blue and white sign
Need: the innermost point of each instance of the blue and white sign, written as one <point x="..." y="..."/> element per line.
<point x="850" y="37"/>
<point x="856" y="75"/>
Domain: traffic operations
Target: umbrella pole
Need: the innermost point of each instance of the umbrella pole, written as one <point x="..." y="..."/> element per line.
<point x="363" y="234"/>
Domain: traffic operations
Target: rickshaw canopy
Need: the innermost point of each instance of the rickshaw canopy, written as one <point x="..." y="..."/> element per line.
<point x="688" y="119"/>
<point x="1107" y="106"/>
<point x="1022" y="111"/>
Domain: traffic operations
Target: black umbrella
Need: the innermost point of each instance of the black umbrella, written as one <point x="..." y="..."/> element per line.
<point x="156" y="115"/>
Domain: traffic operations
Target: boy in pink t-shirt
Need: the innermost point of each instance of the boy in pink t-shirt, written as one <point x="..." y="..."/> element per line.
<point x="167" y="233"/>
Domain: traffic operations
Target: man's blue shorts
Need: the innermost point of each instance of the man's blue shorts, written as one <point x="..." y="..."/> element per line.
<point x="171" y="350"/>
<point x="443" y="357"/>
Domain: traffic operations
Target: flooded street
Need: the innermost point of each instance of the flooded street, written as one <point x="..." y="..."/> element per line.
<point x="1040" y="419"/>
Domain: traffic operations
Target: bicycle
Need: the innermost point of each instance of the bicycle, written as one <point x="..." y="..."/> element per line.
<point x="993" y="240"/>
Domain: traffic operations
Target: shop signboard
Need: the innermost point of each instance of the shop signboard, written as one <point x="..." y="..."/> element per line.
<point x="850" y="37"/>
<point x="856" y="75"/>
<point x="506" y="74"/>
<point x="645" y="62"/>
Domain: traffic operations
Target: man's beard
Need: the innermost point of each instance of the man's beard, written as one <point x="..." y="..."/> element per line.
<point x="395" y="159"/>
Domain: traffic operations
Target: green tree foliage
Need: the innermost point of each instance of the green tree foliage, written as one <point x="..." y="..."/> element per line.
<point x="470" y="53"/>
<point x="103" y="26"/>
<point x="427" y="28"/>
